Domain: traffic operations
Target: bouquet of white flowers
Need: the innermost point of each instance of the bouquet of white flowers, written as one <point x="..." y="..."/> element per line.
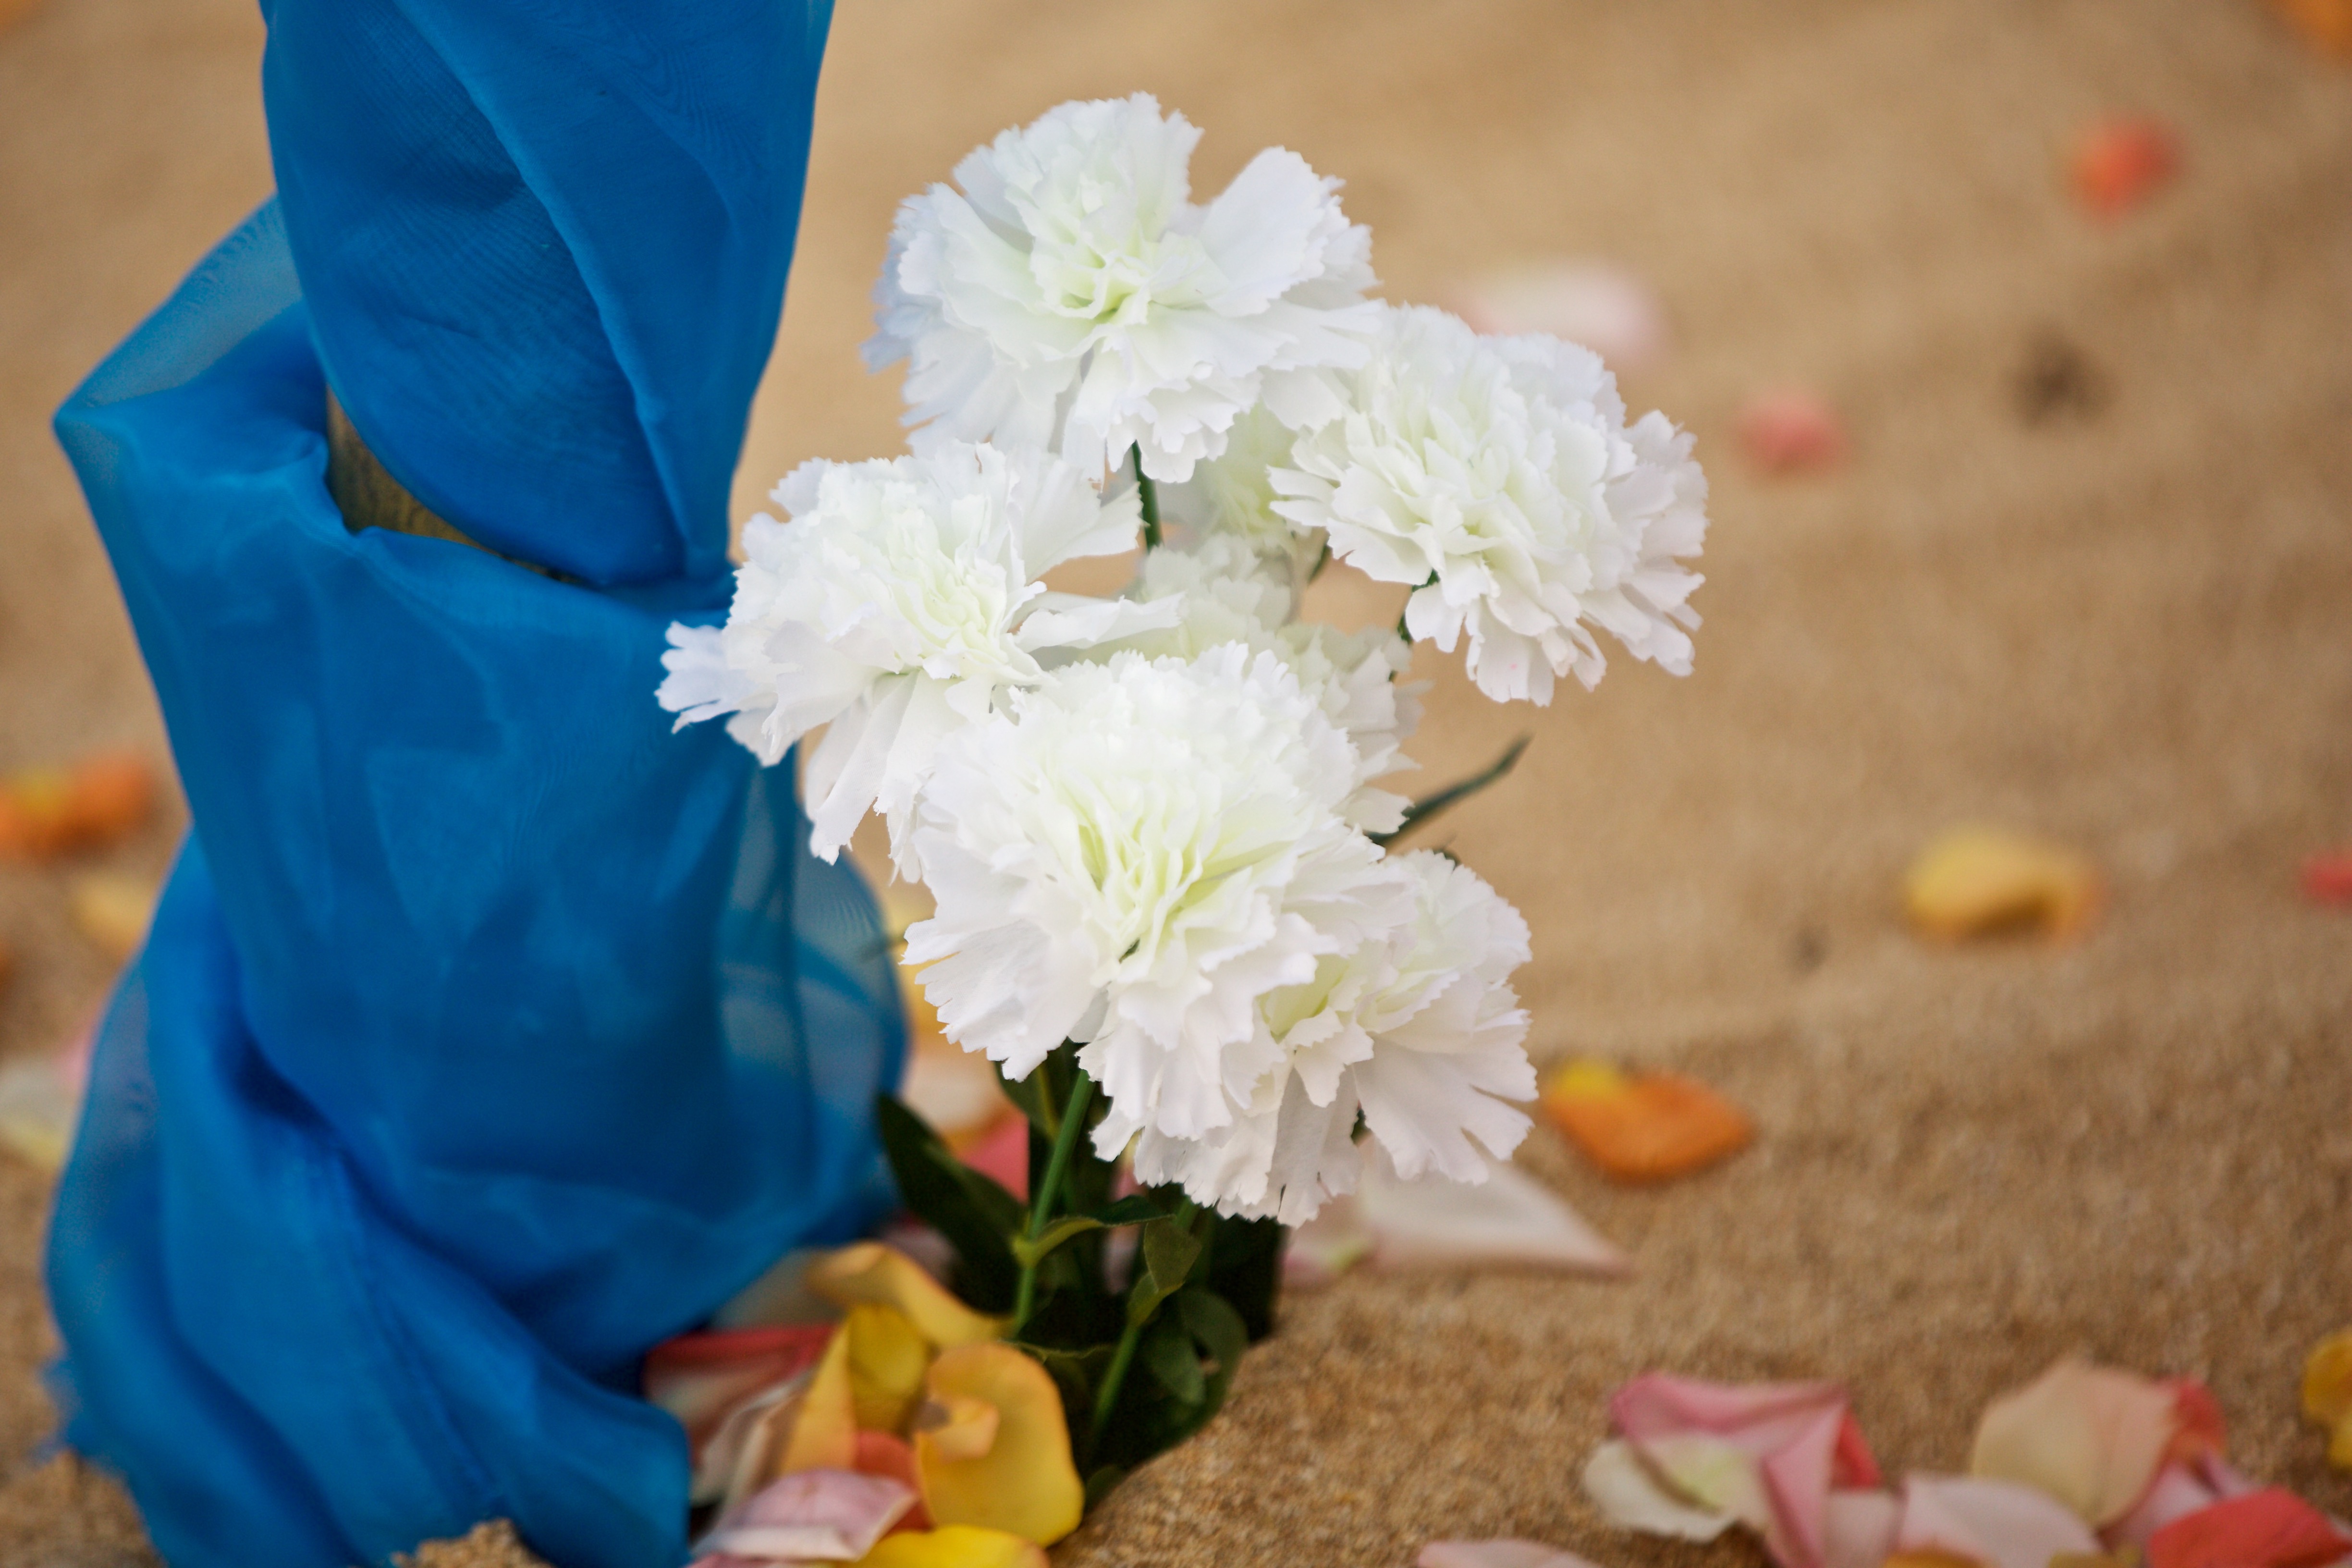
<point x="1168" y="906"/>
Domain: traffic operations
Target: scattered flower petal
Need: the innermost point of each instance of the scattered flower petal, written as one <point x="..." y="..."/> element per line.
<point x="2180" y="1489"/>
<point x="112" y="908"/>
<point x="2327" y="878"/>
<point x="1592" y="304"/>
<point x="1998" y="1524"/>
<point x="2328" y="1393"/>
<point x="700" y="1377"/>
<point x="2090" y="1436"/>
<point x="1646" y="1128"/>
<point x="2121" y="162"/>
<point x="869" y="1271"/>
<point x="1497" y="1555"/>
<point x="1973" y="880"/>
<point x="1011" y="1472"/>
<point x="888" y="1358"/>
<point x="2271" y="1528"/>
<point x="823" y="1432"/>
<point x="41" y="1103"/>
<point x="1790" y="431"/>
<point x="833" y="1515"/>
<point x="954" y="1546"/>
<point x="888" y="1454"/>
<point x="1002" y="1154"/>
<point x="1333" y="1241"/>
<point x="1858" y="1527"/>
<point x="1767" y="1453"/>
<point x="1510" y="1219"/>
<point x="1629" y="1496"/>
<point x="53" y="811"/>
<point x="2324" y="24"/>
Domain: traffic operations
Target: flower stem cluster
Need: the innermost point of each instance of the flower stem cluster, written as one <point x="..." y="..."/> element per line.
<point x="1153" y="824"/>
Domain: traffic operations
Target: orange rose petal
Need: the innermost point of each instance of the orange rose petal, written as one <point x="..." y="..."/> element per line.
<point x="1971" y="881"/>
<point x="2328" y="1393"/>
<point x="47" y="811"/>
<point x="2326" y="25"/>
<point x="1646" y="1128"/>
<point x="2119" y="165"/>
<point x="888" y="1454"/>
<point x="1011" y="1471"/>
<point x="2327" y="878"/>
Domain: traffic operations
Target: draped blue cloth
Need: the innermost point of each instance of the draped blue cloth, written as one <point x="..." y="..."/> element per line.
<point x="488" y="1032"/>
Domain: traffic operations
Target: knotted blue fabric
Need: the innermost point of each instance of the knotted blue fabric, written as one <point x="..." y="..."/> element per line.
<point x="488" y="1032"/>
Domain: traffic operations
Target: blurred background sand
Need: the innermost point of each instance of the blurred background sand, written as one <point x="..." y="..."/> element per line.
<point x="2129" y="629"/>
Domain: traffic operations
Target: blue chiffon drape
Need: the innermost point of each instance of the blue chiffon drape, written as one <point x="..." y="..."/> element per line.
<point x="489" y="1031"/>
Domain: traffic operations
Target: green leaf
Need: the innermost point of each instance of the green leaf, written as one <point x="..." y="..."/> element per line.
<point x="1030" y="1253"/>
<point x="1168" y="1353"/>
<point x="1453" y="794"/>
<point x="1101" y="1482"/>
<point x="978" y="1216"/>
<point x="1168" y="1253"/>
<point x="1245" y="1268"/>
<point x="1132" y="1209"/>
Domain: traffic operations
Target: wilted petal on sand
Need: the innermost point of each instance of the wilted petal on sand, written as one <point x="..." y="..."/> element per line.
<point x="111" y="909"/>
<point x="2327" y="878"/>
<point x="1770" y="1454"/>
<point x="868" y="1272"/>
<point x="2090" y="1436"/>
<point x="830" y="1516"/>
<point x="1497" y="1555"/>
<point x="2000" y="1524"/>
<point x="41" y="1103"/>
<point x="991" y="1447"/>
<point x="954" y="1546"/>
<point x="2328" y="1393"/>
<point x="2326" y="25"/>
<point x="1602" y="307"/>
<point x="1972" y="880"/>
<point x="2271" y="1528"/>
<point x="1790" y="431"/>
<point x="53" y="811"/>
<point x="1630" y="1496"/>
<point x="1646" y="1127"/>
<point x="1508" y="1218"/>
<point x="2119" y="163"/>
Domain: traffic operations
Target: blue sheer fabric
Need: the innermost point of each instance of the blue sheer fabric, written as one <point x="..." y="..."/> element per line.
<point x="489" y="1031"/>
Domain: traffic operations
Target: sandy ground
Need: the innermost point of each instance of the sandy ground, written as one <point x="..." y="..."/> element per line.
<point x="2131" y="630"/>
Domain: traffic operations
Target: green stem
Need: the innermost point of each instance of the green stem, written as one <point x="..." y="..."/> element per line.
<point x="1041" y="1202"/>
<point x="1107" y="1394"/>
<point x="1148" y="494"/>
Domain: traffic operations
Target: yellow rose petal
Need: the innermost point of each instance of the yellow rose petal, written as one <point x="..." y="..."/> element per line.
<point x="823" y="1435"/>
<point x="871" y="1272"/>
<point x="2328" y="1393"/>
<point x="1017" y="1478"/>
<point x="1973" y="880"/>
<point x="888" y="1358"/>
<point x="954" y="1546"/>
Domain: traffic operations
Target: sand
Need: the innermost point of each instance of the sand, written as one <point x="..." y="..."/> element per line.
<point x="2130" y="629"/>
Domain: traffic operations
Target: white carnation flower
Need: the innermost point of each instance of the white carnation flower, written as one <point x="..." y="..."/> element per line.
<point x="1232" y="494"/>
<point x="1498" y="475"/>
<point x="1071" y="296"/>
<point x="900" y="603"/>
<point x="1224" y="591"/>
<point x="1133" y="857"/>
<point x="1418" y="1029"/>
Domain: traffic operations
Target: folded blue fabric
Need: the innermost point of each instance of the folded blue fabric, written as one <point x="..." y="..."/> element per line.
<point x="489" y="1031"/>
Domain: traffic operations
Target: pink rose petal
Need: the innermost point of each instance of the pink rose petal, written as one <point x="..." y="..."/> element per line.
<point x="2000" y="1524"/>
<point x="1790" y="430"/>
<point x="1508" y="1218"/>
<point x="2180" y="1489"/>
<point x="1003" y="1154"/>
<point x="822" y="1515"/>
<point x="1858" y="1527"/>
<point x="1606" y="308"/>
